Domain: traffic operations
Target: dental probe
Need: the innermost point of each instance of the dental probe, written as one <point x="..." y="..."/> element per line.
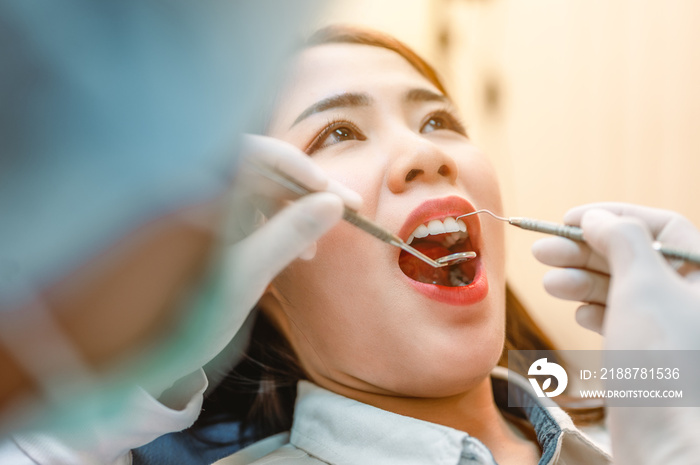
<point x="352" y="217"/>
<point x="575" y="233"/>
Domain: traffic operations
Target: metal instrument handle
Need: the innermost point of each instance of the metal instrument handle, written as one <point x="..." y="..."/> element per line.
<point x="572" y="232"/>
<point x="351" y="216"/>
<point x="678" y="254"/>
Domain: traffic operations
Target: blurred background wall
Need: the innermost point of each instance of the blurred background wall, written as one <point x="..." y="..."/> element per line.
<point x="575" y="102"/>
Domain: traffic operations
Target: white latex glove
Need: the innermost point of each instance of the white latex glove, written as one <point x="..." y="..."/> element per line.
<point x="108" y="439"/>
<point x="638" y="301"/>
<point x="290" y="233"/>
<point x="255" y="252"/>
<point x="622" y="279"/>
<point x="263" y="247"/>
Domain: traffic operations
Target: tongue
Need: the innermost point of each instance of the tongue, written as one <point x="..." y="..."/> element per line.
<point x="418" y="270"/>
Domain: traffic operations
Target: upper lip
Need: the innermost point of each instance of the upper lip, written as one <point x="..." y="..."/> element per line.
<point x="439" y="209"/>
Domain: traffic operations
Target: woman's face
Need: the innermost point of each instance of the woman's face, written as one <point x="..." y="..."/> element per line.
<point x="362" y="315"/>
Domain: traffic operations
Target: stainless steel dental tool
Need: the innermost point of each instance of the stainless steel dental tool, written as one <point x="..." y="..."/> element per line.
<point x="575" y="233"/>
<point x="351" y="216"/>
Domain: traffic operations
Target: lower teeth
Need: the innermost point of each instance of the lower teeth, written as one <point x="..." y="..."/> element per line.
<point x="457" y="278"/>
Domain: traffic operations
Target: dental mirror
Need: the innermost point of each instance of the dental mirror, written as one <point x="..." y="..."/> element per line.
<point x="447" y="260"/>
<point x="455" y="258"/>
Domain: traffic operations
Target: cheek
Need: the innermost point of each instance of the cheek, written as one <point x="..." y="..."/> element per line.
<point x="480" y="181"/>
<point x="479" y="177"/>
<point x="360" y="170"/>
<point x="331" y="322"/>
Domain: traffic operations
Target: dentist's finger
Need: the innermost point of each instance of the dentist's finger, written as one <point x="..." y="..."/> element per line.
<point x="285" y="157"/>
<point x="565" y="253"/>
<point x="577" y="285"/>
<point x="252" y="263"/>
<point x="664" y="225"/>
<point x="286" y="236"/>
<point x="350" y="198"/>
<point x="591" y="316"/>
<point x="625" y="242"/>
<point x="310" y="252"/>
<point x="288" y="159"/>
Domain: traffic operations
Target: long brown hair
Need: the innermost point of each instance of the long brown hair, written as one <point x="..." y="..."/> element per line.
<point x="260" y="391"/>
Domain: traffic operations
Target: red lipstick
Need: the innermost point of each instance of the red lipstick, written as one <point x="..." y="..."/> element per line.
<point x="438" y="209"/>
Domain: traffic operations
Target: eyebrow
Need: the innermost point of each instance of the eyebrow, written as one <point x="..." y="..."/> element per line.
<point x="424" y="95"/>
<point x="335" y="101"/>
<point x="345" y="100"/>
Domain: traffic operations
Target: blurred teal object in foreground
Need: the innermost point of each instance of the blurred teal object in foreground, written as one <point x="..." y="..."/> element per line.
<point x="115" y="113"/>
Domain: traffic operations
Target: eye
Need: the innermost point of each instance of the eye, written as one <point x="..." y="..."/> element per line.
<point x="335" y="133"/>
<point x="443" y="120"/>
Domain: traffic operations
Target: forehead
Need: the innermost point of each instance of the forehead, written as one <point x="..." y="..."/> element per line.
<point x="330" y="69"/>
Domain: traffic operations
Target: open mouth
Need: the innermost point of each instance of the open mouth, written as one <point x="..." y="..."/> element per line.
<point x="436" y="239"/>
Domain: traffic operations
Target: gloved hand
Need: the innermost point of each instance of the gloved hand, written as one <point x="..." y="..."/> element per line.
<point x="216" y="312"/>
<point x="622" y="279"/>
<point x="256" y="249"/>
<point x="292" y="232"/>
<point x="638" y="300"/>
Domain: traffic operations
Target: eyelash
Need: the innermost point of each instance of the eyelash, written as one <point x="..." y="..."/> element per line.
<point x="455" y="123"/>
<point x="331" y="125"/>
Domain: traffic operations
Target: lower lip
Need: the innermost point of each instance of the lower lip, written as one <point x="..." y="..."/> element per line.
<point x="460" y="295"/>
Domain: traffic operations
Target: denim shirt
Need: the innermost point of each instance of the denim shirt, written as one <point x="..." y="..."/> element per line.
<point x="332" y="429"/>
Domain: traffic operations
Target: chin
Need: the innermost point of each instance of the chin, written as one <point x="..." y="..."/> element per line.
<point x="447" y="384"/>
<point x="450" y="373"/>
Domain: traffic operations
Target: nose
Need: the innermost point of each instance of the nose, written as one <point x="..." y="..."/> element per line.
<point x="422" y="162"/>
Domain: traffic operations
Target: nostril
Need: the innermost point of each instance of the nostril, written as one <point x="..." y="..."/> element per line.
<point x="412" y="175"/>
<point x="444" y="170"/>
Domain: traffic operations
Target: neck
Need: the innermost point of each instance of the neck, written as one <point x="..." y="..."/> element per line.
<point x="473" y="411"/>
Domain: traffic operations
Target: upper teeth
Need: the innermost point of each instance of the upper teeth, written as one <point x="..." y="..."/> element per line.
<point x="436" y="227"/>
